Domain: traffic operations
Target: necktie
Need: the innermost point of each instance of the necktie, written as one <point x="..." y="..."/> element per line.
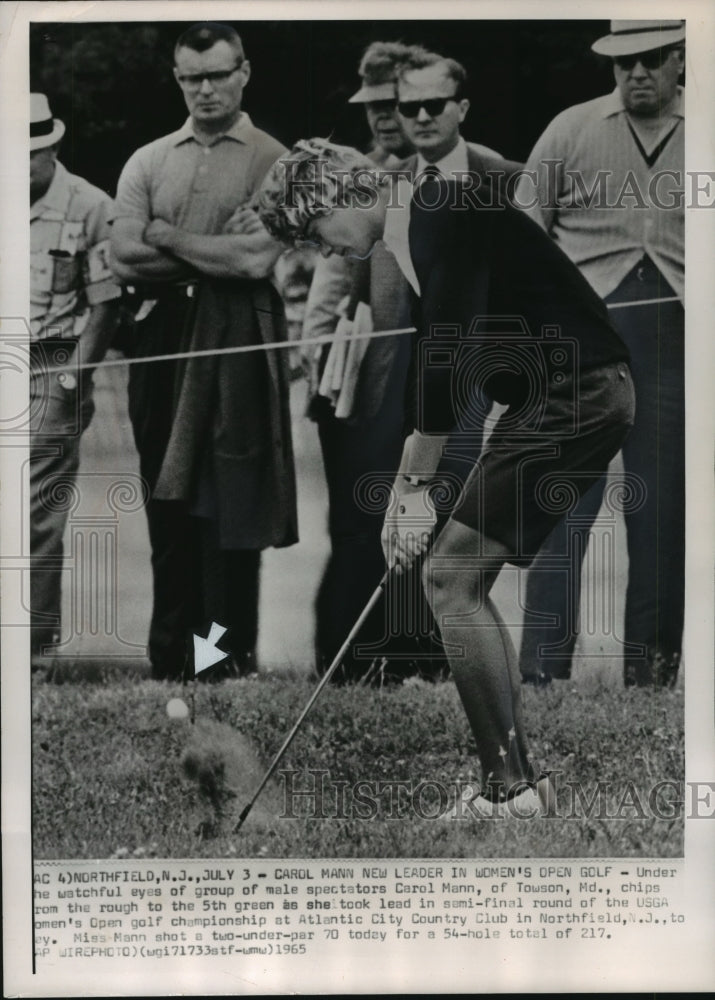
<point x="427" y="195"/>
<point x="428" y="189"/>
<point x="430" y="174"/>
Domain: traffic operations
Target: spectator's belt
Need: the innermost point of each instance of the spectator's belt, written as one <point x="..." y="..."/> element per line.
<point x="178" y="289"/>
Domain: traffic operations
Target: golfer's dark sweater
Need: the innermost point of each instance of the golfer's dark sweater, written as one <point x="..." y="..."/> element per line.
<point x="501" y="306"/>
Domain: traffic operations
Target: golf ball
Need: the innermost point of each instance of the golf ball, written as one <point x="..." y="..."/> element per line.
<point x="177" y="709"/>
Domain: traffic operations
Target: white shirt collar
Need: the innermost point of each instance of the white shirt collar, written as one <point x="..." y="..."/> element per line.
<point x="454" y="163"/>
<point x="397" y="227"/>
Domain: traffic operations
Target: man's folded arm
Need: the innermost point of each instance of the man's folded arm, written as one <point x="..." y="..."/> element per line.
<point x="132" y="259"/>
<point x="228" y="255"/>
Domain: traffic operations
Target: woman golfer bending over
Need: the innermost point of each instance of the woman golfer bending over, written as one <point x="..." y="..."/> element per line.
<point x="500" y="311"/>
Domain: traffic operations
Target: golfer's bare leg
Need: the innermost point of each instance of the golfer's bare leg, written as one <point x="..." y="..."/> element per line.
<point x="458" y="576"/>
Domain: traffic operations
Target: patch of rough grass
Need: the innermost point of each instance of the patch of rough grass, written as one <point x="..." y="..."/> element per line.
<point x="109" y="781"/>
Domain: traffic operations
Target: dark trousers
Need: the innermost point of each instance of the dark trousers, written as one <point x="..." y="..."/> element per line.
<point x="177" y="604"/>
<point x="653" y="504"/>
<point x="230" y="583"/>
<point x="195" y="582"/>
<point x="369" y="452"/>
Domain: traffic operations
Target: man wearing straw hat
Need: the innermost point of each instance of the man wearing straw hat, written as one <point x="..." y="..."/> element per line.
<point x="609" y="184"/>
<point x="73" y="310"/>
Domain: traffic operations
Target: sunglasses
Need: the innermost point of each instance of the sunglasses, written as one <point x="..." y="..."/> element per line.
<point x="434" y="106"/>
<point x="653" y="59"/>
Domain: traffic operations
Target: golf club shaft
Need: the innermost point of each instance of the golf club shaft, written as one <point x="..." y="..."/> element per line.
<point x="324" y="680"/>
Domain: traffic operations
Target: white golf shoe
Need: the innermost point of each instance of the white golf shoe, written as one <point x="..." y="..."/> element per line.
<point x="535" y="800"/>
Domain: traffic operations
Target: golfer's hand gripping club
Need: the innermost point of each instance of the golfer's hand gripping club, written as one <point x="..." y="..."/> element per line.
<point x="408" y="527"/>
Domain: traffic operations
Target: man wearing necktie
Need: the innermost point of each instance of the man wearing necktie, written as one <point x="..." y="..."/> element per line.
<point x="432" y="108"/>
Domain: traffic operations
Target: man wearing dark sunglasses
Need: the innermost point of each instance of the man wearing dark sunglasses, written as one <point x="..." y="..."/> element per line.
<point x="648" y="81"/>
<point x="609" y="178"/>
<point x="214" y="439"/>
<point x="432" y="107"/>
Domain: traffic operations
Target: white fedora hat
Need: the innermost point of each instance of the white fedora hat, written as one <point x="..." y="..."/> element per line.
<point x="628" y="38"/>
<point x="44" y="129"/>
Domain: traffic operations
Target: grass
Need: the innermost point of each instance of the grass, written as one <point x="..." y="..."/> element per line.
<point x="108" y="780"/>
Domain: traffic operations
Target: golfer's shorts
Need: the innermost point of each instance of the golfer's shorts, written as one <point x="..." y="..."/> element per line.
<point x="542" y="457"/>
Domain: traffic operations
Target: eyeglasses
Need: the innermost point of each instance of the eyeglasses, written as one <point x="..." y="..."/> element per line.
<point x="653" y="59"/>
<point x="381" y="107"/>
<point x="434" y="106"/>
<point x="192" y="81"/>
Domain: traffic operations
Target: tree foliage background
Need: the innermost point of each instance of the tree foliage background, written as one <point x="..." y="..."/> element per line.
<point x="112" y="83"/>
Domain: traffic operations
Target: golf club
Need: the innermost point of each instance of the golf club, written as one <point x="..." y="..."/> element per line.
<point x="324" y="680"/>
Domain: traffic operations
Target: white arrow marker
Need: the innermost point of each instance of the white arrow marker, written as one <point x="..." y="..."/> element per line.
<point x="205" y="652"/>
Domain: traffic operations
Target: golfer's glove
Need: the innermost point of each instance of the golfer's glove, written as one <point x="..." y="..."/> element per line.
<point x="407" y="531"/>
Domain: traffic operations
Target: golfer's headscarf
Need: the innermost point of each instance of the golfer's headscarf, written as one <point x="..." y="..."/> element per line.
<point x="306" y="183"/>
